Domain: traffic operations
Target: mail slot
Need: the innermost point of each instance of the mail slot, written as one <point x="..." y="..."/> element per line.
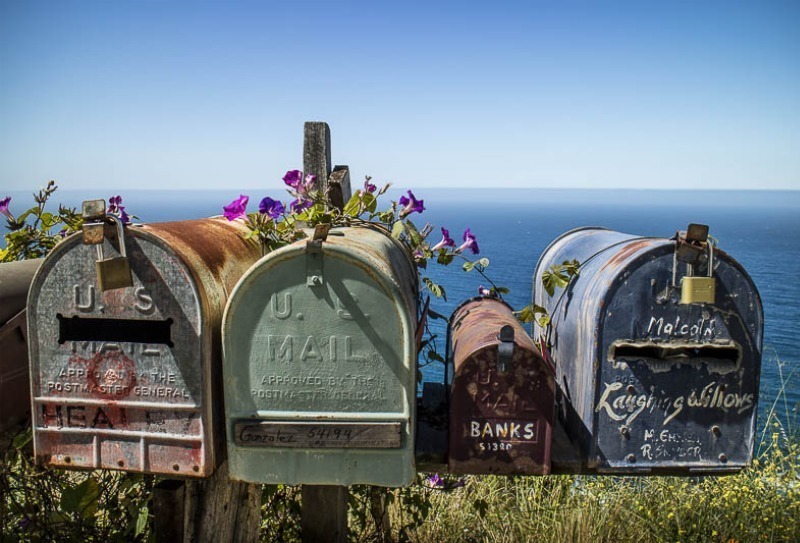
<point x="129" y="378"/>
<point x="320" y="363"/>
<point x="502" y="394"/>
<point x="654" y="376"/>
<point x="15" y="399"/>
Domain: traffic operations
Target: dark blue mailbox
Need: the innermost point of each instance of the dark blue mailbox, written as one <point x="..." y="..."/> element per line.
<point x="657" y="346"/>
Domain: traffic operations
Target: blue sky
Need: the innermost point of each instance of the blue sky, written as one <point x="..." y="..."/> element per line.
<point x="185" y="95"/>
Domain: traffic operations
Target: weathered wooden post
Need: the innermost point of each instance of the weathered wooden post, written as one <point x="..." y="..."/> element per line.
<point x="324" y="507"/>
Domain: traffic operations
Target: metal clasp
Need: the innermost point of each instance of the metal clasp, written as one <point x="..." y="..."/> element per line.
<point x="505" y="349"/>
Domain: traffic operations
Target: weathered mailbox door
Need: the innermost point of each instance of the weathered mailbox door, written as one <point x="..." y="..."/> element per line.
<point x="320" y="363"/>
<point x="502" y="396"/>
<point x="125" y="378"/>
<point x="651" y="379"/>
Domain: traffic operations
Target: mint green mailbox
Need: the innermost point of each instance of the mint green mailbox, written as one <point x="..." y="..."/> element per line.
<point x="319" y="363"/>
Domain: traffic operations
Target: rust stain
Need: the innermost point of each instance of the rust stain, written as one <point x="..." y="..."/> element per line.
<point x="500" y="422"/>
<point x="628" y="250"/>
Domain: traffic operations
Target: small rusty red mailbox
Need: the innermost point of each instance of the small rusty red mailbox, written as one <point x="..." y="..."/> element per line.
<point x="128" y="377"/>
<point x="502" y="393"/>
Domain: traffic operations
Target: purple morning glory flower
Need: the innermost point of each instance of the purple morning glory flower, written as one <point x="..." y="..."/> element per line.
<point x="483" y="291"/>
<point x="299" y="205"/>
<point x="294" y="179"/>
<point x="310" y="183"/>
<point x="411" y="205"/>
<point x="4" y="207"/>
<point x="470" y="242"/>
<point x="113" y="204"/>
<point x="369" y="187"/>
<point x="122" y="215"/>
<point x="271" y="207"/>
<point x="446" y="241"/>
<point x="237" y="208"/>
<point x="435" y="480"/>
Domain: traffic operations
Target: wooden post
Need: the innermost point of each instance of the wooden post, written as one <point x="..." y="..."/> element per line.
<point x="324" y="507"/>
<point x="168" y="504"/>
<point x="218" y="509"/>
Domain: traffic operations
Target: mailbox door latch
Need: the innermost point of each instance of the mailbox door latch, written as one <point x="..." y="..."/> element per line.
<point x="505" y="349"/>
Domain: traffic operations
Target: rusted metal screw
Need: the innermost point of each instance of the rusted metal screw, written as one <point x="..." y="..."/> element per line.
<point x="723" y="457"/>
<point x="631" y="389"/>
<point x="631" y="458"/>
<point x="176" y="467"/>
<point x="67" y="459"/>
<point x="715" y="430"/>
<point x="316" y="279"/>
<point x="624" y="431"/>
<point x="120" y="463"/>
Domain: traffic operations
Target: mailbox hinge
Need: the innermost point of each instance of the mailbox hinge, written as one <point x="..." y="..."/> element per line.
<point x="314" y="277"/>
<point x="505" y="349"/>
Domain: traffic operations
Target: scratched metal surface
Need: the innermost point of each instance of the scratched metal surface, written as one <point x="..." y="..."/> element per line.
<point x="500" y="422"/>
<point x="130" y="404"/>
<point x="341" y="350"/>
<point x="647" y="384"/>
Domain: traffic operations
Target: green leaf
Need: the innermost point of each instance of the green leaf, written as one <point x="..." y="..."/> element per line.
<point x="435" y="289"/>
<point x="469" y="266"/>
<point x="526" y="314"/>
<point x="369" y="201"/>
<point x="352" y="205"/>
<point x="444" y="258"/>
<point x="553" y="279"/>
<point x="141" y="521"/>
<point x="81" y="499"/>
<point x="502" y="290"/>
<point x="433" y="355"/>
<point x="397" y="229"/>
<point x="413" y="234"/>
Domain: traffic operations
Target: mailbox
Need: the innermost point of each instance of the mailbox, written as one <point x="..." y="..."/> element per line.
<point x="657" y="344"/>
<point x="129" y="378"/>
<point x="15" y="400"/>
<point x="319" y="362"/>
<point x="502" y="396"/>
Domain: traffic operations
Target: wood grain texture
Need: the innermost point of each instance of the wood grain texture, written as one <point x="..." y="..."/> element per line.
<point x="218" y="509"/>
<point x="324" y="516"/>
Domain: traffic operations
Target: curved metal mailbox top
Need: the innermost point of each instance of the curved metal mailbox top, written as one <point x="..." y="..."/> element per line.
<point x="124" y="379"/>
<point x="501" y="412"/>
<point x="650" y="383"/>
<point x="320" y="363"/>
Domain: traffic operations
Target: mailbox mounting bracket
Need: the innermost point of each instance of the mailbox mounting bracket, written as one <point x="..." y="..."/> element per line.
<point x="314" y="277"/>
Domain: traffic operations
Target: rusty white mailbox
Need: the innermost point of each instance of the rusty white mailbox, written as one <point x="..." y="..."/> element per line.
<point x="320" y="363"/>
<point x="128" y="378"/>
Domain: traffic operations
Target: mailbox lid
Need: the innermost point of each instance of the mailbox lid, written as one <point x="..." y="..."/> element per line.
<point x="121" y="379"/>
<point x="500" y="421"/>
<point x="636" y="366"/>
<point x="319" y="345"/>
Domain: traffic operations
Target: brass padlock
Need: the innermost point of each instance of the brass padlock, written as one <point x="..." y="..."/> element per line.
<point x="700" y="290"/>
<point x="114" y="272"/>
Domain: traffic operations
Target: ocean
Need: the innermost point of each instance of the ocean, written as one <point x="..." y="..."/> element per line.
<point x="760" y="229"/>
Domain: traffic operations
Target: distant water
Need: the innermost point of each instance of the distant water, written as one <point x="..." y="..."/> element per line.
<point x="759" y="229"/>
